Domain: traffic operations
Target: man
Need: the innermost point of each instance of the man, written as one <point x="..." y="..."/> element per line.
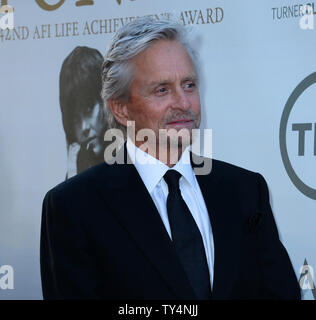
<point x="81" y="107"/>
<point x="153" y="229"/>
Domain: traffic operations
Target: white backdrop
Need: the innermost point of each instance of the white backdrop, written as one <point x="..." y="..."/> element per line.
<point x="253" y="55"/>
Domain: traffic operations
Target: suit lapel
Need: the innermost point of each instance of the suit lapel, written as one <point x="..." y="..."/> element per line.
<point x="226" y="230"/>
<point x="134" y="208"/>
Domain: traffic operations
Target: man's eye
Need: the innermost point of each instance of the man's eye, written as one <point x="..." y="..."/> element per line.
<point x="190" y="85"/>
<point x="161" y="90"/>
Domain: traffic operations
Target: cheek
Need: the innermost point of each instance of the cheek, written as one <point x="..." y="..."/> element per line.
<point x="196" y="105"/>
<point x="157" y="116"/>
<point x="145" y="113"/>
<point x="146" y="121"/>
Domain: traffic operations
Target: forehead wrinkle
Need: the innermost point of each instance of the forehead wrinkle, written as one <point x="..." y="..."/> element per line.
<point x="152" y="73"/>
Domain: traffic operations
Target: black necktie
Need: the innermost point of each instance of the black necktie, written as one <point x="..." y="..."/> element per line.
<point x="187" y="238"/>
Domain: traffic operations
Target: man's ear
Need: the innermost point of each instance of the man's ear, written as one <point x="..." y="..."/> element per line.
<point x="119" y="110"/>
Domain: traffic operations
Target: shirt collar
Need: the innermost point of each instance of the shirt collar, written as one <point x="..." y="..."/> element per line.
<point x="152" y="170"/>
<point x="149" y="168"/>
<point x="184" y="167"/>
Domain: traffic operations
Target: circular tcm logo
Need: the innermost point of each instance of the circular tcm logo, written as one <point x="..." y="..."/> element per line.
<point x="298" y="136"/>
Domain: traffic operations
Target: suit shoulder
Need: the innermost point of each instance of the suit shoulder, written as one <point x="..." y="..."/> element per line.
<point x="84" y="182"/>
<point x="242" y="182"/>
<point x="232" y="170"/>
<point x="238" y="176"/>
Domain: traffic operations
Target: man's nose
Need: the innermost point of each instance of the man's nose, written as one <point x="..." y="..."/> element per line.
<point x="181" y="100"/>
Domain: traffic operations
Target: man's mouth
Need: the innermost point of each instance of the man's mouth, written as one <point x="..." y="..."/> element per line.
<point x="180" y="123"/>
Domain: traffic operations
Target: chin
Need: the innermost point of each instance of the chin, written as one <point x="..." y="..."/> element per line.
<point x="177" y="143"/>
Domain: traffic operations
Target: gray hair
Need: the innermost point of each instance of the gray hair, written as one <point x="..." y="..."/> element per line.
<point x="128" y="42"/>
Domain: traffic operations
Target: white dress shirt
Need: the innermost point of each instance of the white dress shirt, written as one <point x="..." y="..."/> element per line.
<point x="151" y="171"/>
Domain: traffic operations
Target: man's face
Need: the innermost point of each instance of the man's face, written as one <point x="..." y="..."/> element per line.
<point x="89" y="128"/>
<point x="164" y="92"/>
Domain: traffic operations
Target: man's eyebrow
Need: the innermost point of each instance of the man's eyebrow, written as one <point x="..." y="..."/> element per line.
<point x="158" y="83"/>
<point x="162" y="82"/>
<point x="190" y="78"/>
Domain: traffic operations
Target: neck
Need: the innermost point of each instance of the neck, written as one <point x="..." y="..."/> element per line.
<point x="169" y="155"/>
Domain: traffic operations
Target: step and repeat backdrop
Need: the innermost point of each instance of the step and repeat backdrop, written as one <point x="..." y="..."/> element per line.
<point x="258" y="94"/>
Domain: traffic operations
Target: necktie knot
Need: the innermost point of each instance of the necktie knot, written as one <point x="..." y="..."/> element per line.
<point x="172" y="178"/>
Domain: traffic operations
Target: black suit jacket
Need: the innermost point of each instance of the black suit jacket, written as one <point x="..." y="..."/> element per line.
<point x="102" y="238"/>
